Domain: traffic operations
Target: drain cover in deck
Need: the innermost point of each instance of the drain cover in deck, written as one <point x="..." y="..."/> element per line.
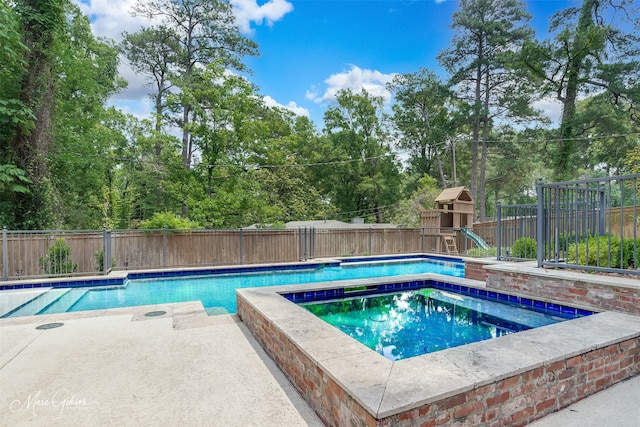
<point x="155" y="313"/>
<point x="50" y="325"/>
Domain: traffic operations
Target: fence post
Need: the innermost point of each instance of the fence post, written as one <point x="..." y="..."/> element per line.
<point x="602" y="211"/>
<point x="422" y="239"/>
<point x="106" y="251"/>
<point x="312" y="243"/>
<point x="305" y="243"/>
<point x="498" y="231"/>
<point x="241" y="249"/>
<point x="540" y="223"/>
<point x="164" y="247"/>
<point x="370" y="242"/>
<point x="5" y="255"/>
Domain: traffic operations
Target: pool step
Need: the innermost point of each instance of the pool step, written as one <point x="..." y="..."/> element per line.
<point x="65" y="302"/>
<point x="36" y="305"/>
<point x="12" y="299"/>
<point x="521" y="316"/>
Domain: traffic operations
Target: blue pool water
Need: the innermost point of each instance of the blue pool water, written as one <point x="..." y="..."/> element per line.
<point x="408" y="324"/>
<point x="217" y="291"/>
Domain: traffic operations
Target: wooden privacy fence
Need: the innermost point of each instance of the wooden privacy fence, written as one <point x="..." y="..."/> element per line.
<point x="39" y="254"/>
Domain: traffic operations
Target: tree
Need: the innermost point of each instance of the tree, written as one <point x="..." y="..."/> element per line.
<point x="608" y="134"/>
<point x="41" y="24"/>
<point x="57" y="91"/>
<point x="363" y="176"/>
<point x="13" y="112"/>
<point x="482" y="63"/>
<point x="590" y="52"/>
<point x="408" y="212"/>
<point x="203" y="31"/>
<point x="152" y="51"/>
<point x="423" y="115"/>
<point x="82" y="136"/>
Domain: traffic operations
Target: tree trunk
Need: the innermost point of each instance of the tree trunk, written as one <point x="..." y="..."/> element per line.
<point x="440" y="171"/>
<point x="35" y="210"/>
<point x="483" y="160"/>
<point x="580" y="50"/>
<point x="476" y="128"/>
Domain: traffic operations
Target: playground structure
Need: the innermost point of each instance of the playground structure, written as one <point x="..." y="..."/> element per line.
<point x="454" y="211"/>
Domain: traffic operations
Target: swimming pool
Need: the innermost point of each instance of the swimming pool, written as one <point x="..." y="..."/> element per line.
<point x="412" y="323"/>
<point x="216" y="289"/>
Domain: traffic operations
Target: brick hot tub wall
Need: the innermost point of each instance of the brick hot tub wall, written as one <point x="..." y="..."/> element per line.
<point x="599" y="293"/>
<point x="474" y="269"/>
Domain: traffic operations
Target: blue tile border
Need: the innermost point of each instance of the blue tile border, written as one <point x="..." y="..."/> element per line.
<point x="83" y="283"/>
<point x="66" y="284"/>
<point x="433" y="258"/>
<point x="567" y="312"/>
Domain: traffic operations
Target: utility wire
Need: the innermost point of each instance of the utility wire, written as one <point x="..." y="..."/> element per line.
<point x="334" y="162"/>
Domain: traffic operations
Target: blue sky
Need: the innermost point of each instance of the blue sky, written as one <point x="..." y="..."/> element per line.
<point x="309" y="49"/>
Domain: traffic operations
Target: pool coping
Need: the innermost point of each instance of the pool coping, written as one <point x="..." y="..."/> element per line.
<point x="398" y="387"/>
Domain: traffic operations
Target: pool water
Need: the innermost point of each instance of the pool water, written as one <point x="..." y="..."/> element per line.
<point x="217" y="291"/>
<point x="408" y="324"/>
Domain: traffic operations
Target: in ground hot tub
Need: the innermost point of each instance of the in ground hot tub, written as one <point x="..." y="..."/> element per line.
<point x="513" y="379"/>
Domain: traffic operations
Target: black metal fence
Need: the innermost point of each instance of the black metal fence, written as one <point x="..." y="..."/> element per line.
<point x="590" y="224"/>
<point x="516" y="232"/>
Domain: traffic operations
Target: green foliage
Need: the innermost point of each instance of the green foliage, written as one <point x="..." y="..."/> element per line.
<point x="482" y="60"/>
<point x="100" y="261"/>
<point x="57" y="260"/>
<point x="424" y="112"/>
<point x="633" y="159"/>
<point x="96" y="166"/>
<point x="593" y="50"/>
<point x="364" y="176"/>
<point x="169" y="221"/>
<point x="481" y="253"/>
<point x="595" y="252"/>
<point x="408" y="212"/>
<point x="12" y="178"/>
<point x="628" y="247"/>
<point x="524" y="247"/>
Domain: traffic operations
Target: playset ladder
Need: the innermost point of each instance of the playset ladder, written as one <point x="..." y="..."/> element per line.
<point x="450" y="245"/>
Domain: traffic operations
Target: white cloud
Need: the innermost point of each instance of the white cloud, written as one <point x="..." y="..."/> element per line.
<point x="110" y="18"/>
<point x="356" y="79"/>
<point x="291" y="106"/>
<point x="248" y="11"/>
<point x="551" y="108"/>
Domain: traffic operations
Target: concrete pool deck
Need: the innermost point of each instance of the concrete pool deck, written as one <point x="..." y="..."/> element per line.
<point x="120" y="367"/>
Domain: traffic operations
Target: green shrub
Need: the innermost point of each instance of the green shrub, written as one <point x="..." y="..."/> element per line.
<point x="627" y="248"/>
<point x="480" y="253"/>
<point x="169" y="221"/>
<point x="524" y="247"/>
<point x="100" y="261"/>
<point x="595" y="252"/>
<point x="57" y="261"/>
